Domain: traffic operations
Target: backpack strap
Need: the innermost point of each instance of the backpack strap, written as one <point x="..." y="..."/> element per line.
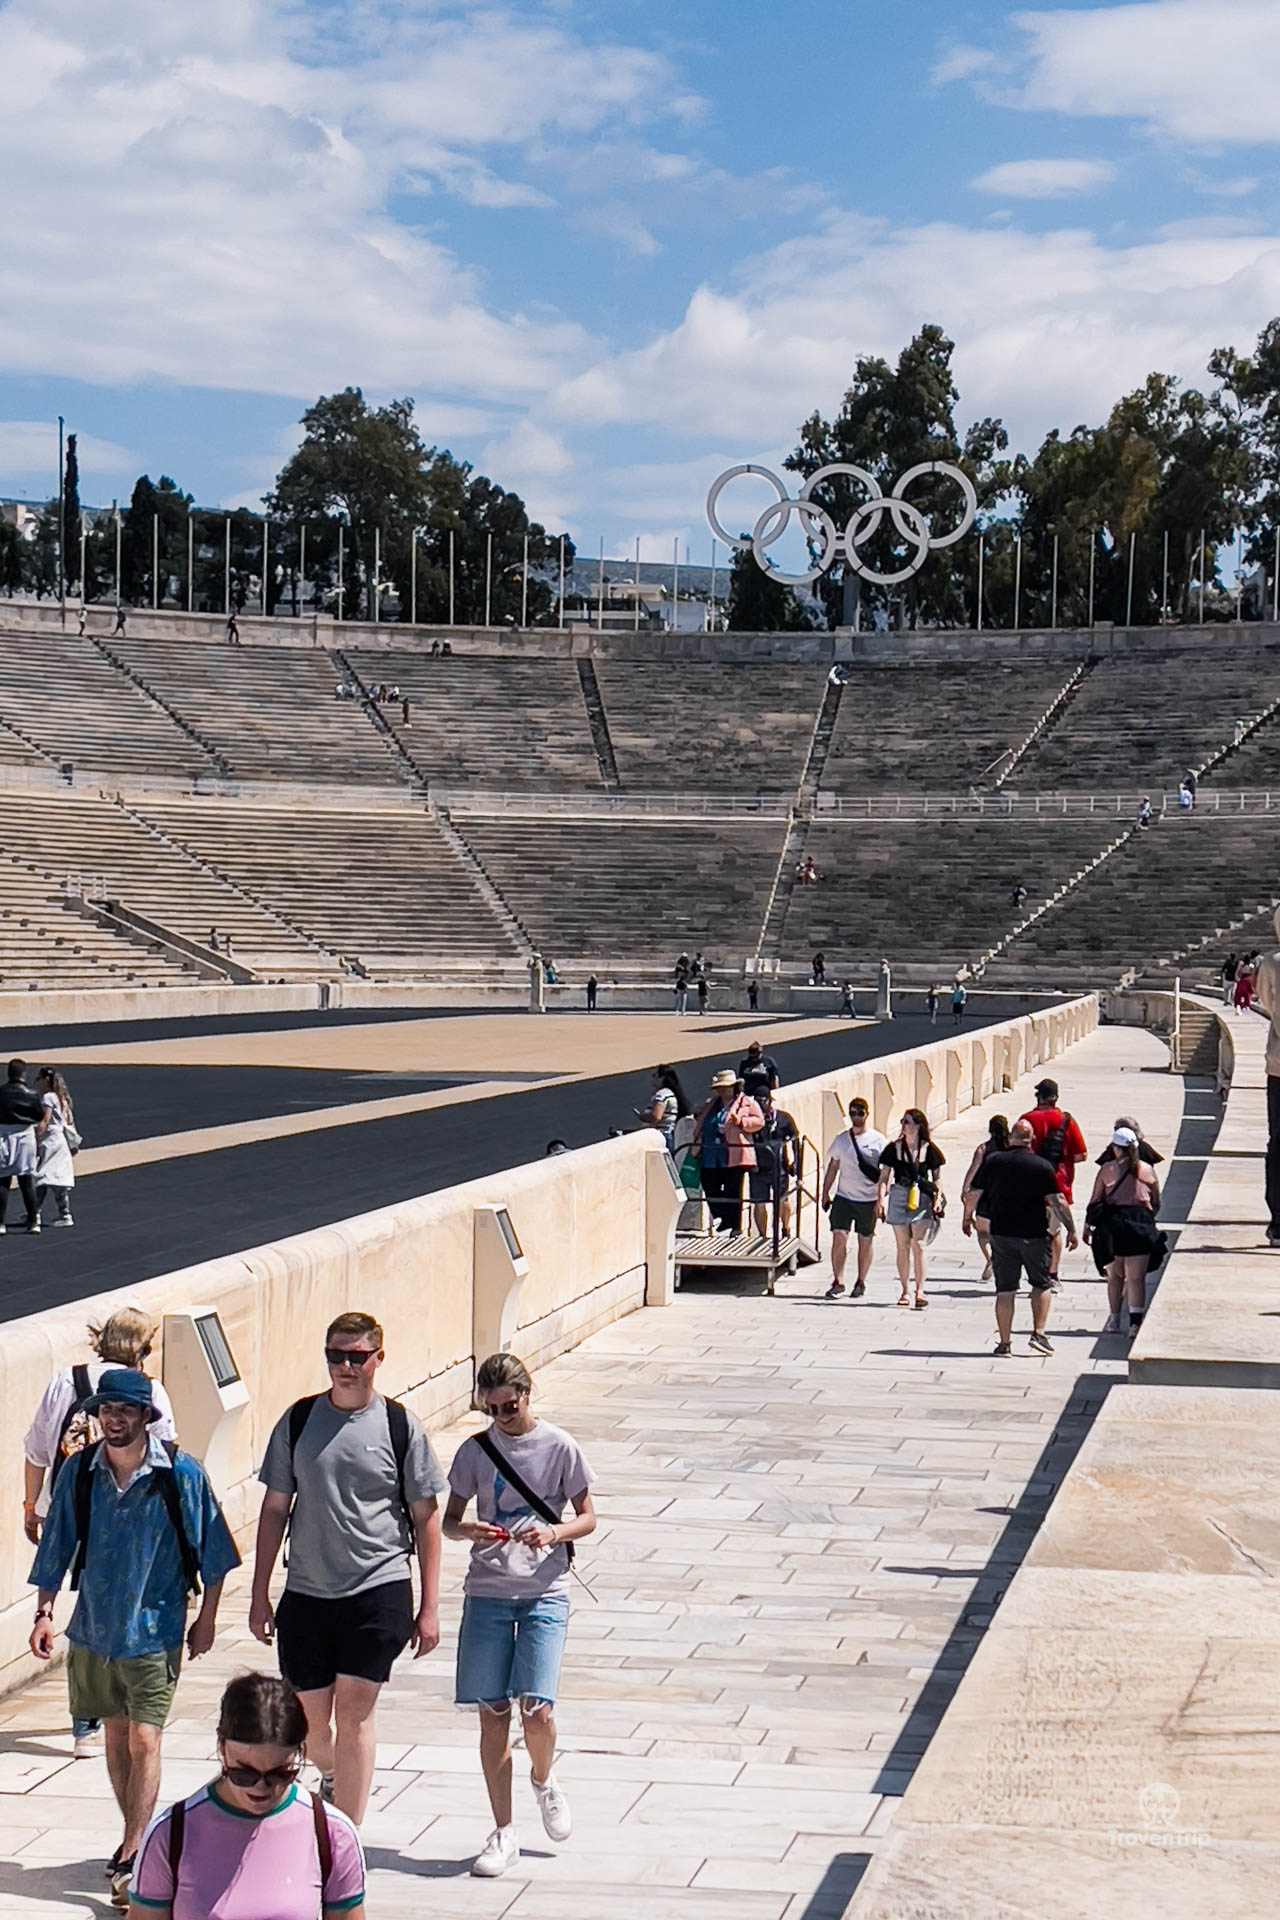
<point x="82" y="1500"/>
<point x="324" y="1845"/>
<point x="487" y="1446"/>
<point x="299" y="1414"/>
<point x="177" y="1831"/>
<point x="398" y="1427"/>
<point x="171" y="1494"/>
<point x="80" y="1391"/>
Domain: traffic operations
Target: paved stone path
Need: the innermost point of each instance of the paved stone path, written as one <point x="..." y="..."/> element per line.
<point x="809" y="1511"/>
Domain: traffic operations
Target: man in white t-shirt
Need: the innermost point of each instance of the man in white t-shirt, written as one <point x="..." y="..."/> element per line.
<point x="853" y="1175"/>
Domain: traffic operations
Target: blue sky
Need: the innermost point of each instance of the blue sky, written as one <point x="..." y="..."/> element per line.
<point x="608" y="249"/>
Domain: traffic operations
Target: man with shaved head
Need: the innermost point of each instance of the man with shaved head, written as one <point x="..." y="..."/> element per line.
<point x="1021" y="1198"/>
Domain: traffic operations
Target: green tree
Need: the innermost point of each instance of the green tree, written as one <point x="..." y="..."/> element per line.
<point x="71" y="516"/>
<point x="12" y="558"/>
<point x="40" y="558"/>
<point x="893" y="418"/>
<point x="155" y="523"/>
<point x="1247" y="397"/>
<point x="758" y="604"/>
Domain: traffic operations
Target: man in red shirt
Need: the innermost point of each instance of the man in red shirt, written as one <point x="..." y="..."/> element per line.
<point x="1058" y="1140"/>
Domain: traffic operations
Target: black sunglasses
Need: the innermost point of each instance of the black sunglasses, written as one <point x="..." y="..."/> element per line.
<point x="350" y="1357"/>
<point x="274" y="1777"/>
<point x="505" y="1411"/>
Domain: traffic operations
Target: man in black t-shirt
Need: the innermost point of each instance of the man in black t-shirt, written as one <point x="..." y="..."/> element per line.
<point x="1020" y="1196"/>
<point x="777" y="1151"/>
<point x="758" y="1071"/>
<point x="20" y="1111"/>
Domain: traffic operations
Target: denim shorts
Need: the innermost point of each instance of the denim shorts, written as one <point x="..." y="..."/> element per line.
<point x="510" y="1649"/>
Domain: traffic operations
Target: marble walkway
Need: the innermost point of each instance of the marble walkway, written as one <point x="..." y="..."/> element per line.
<point x="809" y="1511"/>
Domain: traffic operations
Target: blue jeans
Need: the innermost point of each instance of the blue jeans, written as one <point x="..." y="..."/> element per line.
<point x="81" y="1729"/>
<point x="510" y="1650"/>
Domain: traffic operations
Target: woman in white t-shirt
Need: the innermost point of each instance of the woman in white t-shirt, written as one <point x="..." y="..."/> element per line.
<point x="515" y="1613"/>
<point x="55" y="1168"/>
<point x="668" y="1105"/>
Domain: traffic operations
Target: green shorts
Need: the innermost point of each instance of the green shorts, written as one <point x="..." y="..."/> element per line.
<point x="140" y="1689"/>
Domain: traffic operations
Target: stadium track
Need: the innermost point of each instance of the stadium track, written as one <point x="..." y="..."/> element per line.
<point x="140" y="1221"/>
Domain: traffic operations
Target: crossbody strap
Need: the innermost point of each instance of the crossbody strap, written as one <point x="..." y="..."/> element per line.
<point x="486" y="1445"/>
<point x="324" y="1846"/>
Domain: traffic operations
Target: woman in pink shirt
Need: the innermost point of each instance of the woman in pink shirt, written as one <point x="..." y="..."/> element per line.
<point x="251" y="1845"/>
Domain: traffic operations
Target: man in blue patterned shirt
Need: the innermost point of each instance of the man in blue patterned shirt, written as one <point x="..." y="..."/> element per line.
<point x="139" y="1528"/>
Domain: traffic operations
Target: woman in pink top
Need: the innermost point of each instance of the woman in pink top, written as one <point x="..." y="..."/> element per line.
<point x="251" y="1846"/>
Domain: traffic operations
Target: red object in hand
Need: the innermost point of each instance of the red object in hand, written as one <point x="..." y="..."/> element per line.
<point x="503" y="1534"/>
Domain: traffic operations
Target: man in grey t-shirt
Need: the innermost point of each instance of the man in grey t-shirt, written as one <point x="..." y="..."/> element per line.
<point x="356" y="1510"/>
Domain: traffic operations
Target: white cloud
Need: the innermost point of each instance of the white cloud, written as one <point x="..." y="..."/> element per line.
<point x="961" y="63"/>
<point x="1044" y="179"/>
<point x="1050" y="328"/>
<point x="1197" y="70"/>
<point x="213" y="185"/>
<point x="29" y="448"/>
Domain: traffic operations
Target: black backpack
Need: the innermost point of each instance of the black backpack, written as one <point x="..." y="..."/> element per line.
<point x="164" y="1486"/>
<point x="1054" y="1144"/>
<point x="397" y="1425"/>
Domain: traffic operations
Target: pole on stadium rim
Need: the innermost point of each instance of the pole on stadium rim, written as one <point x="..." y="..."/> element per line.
<point x="339" y="570"/>
<point x="562" y="583"/>
<point x="226" y="570"/>
<point x="1053" y="612"/>
<point x="1164" y="577"/>
<point x="1128" y="605"/>
<point x="982" y="546"/>
<point x="451" y="576"/>
<point x="266" y="550"/>
<point x="1202" y="576"/>
<point x="488" y="576"/>
<point x="191" y="546"/>
<point x="413" y="580"/>
<point x="1017" y="585"/>
<point x="62" y="524"/>
<point x="155" y="559"/>
<point x="524" y="587"/>
<point x="377" y="569"/>
<point x="600" y="610"/>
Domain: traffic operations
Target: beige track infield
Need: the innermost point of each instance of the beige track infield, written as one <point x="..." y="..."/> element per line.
<point x="492" y="1046"/>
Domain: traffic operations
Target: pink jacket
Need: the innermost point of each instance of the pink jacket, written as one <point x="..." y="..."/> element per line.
<point x="742" y="1120"/>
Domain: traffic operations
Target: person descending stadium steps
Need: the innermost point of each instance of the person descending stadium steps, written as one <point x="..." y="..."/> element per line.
<point x="1019" y="1195"/>
<point x="251" y="1842"/>
<point x="60" y="1429"/>
<point x="521" y="1472"/>
<point x="136" y="1523"/>
<point x="853" y="1171"/>
<point x="354" y="1479"/>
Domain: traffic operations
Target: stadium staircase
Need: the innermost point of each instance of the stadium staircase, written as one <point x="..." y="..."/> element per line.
<point x="1055" y="899"/>
<point x="769" y="945"/>
<point x="184" y="727"/>
<point x="599" y="720"/>
<point x="31" y="754"/>
<point x="378" y="719"/>
<point x="1049" y="719"/>
<point x="498" y="906"/>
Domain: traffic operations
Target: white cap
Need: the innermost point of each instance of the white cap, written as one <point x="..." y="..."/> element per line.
<point x="1124" y="1137"/>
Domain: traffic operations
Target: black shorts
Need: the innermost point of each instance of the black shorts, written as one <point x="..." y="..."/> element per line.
<point x="1009" y="1256"/>
<point x="763" y="1183"/>
<point x="362" y="1636"/>
<point x="858" y="1214"/>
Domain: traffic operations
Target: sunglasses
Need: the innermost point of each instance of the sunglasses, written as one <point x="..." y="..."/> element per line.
<point x="350" y="1357"/>
<point x="505" y="1411"/>
<point x="277" y="1778"/>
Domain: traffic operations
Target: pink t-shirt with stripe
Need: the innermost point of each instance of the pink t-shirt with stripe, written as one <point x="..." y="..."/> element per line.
<point x="243" y="1866"/>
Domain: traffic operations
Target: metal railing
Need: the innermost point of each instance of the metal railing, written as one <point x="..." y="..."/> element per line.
<point x="625" y="806"/>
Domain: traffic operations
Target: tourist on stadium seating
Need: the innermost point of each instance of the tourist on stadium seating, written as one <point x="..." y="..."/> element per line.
<point x="959" y="995"/>
<point x="807" y="872"/>
<point x="669" y="1104"/>
<point x="1057" y="1139"/>
<point x="1144" y="815"/>
<point x="435" y="647"/>
<point x="1017" y="896"/>
<point x="1019" y="1196"/>
<point x="522" y="1473"/>
<point x="355" y="1480"/>
<point x="20" y="1110"/>
<point x="56" y="1138"/>
<point x="1191" y="782"/>
<point x="726" y="1126"/>
<point x="997" y="1141"/>
<point x="910" y="1192"/>
<point x="1186" y="799"/>
<point x="853" y="1171"/>
<point x="137" y="1559"/>
<point x="405" y="721"/>
<point x="60" y="1429"/>
<point x="82" y="620"/>
<point x="777" y="1151"/>
<point x="1120" y="1224"/>
<point x="758" y="1070"/>
<point x="819" y="965"/>
<point x="593" y="988"/>
<point x="119" y="627"/>
<point x="251" y="1841"/>
<point x="233" y="629"/>
<point x="446" y="649"/>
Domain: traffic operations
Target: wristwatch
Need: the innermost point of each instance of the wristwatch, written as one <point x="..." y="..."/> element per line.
<point x="45" y="1612"/>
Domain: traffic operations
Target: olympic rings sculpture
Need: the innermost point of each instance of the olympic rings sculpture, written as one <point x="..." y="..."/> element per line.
<point x="909" y="522"/>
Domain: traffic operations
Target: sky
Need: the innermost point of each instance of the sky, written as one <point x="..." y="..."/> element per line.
<point x="608" y="249"/>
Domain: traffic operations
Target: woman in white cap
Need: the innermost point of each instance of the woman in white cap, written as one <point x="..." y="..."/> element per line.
<point x="1122" y="1213"/>
<point x="722" y="1145"/>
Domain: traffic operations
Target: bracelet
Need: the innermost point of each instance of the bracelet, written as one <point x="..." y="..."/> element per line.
<point x="28" y="1506"/>
<point x="45" y="1612"/>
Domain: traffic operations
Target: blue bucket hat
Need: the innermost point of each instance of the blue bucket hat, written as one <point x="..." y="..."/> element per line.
<point x="126" y="1385"/>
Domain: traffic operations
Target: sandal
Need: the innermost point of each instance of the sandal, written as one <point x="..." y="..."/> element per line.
<point x="920" y="1302"/>
<point x="905" y="1301"/>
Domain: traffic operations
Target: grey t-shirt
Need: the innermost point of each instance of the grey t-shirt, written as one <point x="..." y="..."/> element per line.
<point x="549" y="1462"/>
<point x="349" y="1531"/>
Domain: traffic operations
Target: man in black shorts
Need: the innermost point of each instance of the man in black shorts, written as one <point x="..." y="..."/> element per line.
<point x="356" y="1503"/>
<point x="777" y="1145"/>
<point x="853" y="1173"/>
<point x="1020" y="1196"/>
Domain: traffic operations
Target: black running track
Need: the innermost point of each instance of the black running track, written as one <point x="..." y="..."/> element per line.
<point x="142" y="1221"/>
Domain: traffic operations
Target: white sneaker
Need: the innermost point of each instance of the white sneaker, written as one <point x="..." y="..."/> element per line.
<point x="554" y="1808"/>
<point x="501" y="1850"/>
<point x="1113" y="1323"/>
<point x="64" y="1220"/>
<point x="89" y="1746"/>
